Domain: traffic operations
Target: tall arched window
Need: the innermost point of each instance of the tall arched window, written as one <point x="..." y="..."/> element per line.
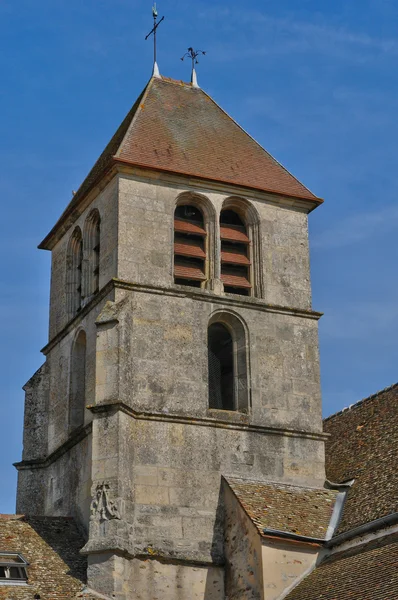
<point x="74" y="273"/>
<point x="189" y="246"/>
<point x="77" y="389"/>
<point x="92" y="254"/>
<point x="235" y="254"/>
<point x="228" y="367"/>
<point x="221" y="368"/>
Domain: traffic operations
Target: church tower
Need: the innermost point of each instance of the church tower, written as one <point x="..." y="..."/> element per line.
<point x="182" y="352"/>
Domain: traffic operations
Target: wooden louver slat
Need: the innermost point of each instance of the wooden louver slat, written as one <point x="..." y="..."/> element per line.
<point x="237" y="281"/>
<point x="181" y="226"/>
<point x="189" y="247"/>
<point x="234" y="234"/>
<point x="189" y="272"/>
<point x="235" y="257"/>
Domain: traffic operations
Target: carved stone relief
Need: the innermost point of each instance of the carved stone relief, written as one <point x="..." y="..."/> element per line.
<point x="102" y="507"/>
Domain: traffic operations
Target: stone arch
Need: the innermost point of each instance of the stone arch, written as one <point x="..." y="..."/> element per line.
<point x="240" y="385"/>
<point x="77" y="381"/>
<point x="250" y="217"/>
<point x="203" y="204"/>
<point x="92" y="247"/>
<point x="74" y="264"/>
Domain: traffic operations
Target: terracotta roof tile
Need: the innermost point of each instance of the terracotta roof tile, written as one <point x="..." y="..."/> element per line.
<point x="364" y="446"/>
<point x="177" y="128"/>
<point x="367" y="572"/>
<point x="287" y="508"/>
<point x="180" y="128"/>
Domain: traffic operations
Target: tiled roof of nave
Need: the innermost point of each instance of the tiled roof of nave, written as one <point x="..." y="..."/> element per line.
<point x="363" y="445"/>
<point x="367" y="572"/>
<point x="51" y="546"/>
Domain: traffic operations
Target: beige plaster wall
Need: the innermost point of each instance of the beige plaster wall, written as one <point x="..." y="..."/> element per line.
<point x="283" y="564"/>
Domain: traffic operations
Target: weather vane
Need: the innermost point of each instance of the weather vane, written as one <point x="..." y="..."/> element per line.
<point x="156" y="24"/>
<point x="193" y="55"/>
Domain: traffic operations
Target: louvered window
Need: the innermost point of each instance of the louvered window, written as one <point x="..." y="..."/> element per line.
<point x="221" y="368"/>
<point x="189" y="246"/>
<point x="235" y="254"/>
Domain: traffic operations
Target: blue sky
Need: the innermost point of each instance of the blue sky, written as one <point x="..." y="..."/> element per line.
<point x="316" y="83"/>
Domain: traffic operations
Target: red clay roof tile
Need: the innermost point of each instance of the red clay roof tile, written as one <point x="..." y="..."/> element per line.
<point x="177" y="128"/>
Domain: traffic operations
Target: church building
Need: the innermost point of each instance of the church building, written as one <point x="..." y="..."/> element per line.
<point x="173" y="439"/>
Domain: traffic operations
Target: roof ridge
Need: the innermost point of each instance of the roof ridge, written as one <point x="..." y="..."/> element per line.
<point x="360" y="402"/>
<point x="139" y="104"/>
<point x="269" y="482"/>
<point x="315" y="197"/>
<point x="177" y="82"/>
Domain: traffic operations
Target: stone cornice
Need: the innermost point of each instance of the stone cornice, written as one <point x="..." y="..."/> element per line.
<point x="119" y="166"/>
<point x="226" y="423"/>
<point x="185" y="180"/>
<point x="181" y="292"/>
<point x="232" y="424"/>
<point x="41" y="463"/>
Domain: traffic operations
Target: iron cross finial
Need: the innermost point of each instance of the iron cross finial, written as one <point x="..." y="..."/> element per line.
<point x="153" y="31"/>
<point x="193" y="55"/>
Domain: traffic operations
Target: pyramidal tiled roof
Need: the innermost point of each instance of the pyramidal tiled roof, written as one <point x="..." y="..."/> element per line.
<point x="175" y="127"/>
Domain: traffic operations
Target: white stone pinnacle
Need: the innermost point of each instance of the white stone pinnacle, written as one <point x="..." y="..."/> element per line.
<point x="194" y="79"/>
<point x="156" y="72"/>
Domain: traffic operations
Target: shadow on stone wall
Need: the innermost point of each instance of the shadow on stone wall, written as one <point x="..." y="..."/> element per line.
<point x="215" y="576"/>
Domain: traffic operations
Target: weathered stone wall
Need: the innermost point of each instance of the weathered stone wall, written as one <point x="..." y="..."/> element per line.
<point x="150" y="579"/>
<point x="63" y="488"/>
<point x="146" y="221"/>
<point x="165" y="367"/>
<point x="177" y="471"/>
<point x="35" y="432"/>
<point x="59" y="359"/>
<point x="107" y="204"/>
<point x="243" y="553"/>
<point x="157" y="454"/>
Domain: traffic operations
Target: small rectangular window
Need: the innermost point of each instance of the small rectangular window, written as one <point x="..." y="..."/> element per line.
<point x="12" y="568"/>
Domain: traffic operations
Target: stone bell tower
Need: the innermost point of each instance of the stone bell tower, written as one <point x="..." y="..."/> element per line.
<point x="182" y="349"/>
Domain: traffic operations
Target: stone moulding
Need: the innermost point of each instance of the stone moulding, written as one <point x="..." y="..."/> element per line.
<point x="43" y="463"/>
<point x="204" y="422"/>
<point x="114" y="407"/>
<point x="175" y="291"/>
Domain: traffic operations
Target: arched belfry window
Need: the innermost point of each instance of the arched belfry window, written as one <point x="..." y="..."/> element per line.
<point x="77" y="389"/>
<point x="228" y="367"/>
<point x="92" y="249"/>
<point x="74" y="273"/>
<point x="189" y="246"/>
<point x="235" y="254"/>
